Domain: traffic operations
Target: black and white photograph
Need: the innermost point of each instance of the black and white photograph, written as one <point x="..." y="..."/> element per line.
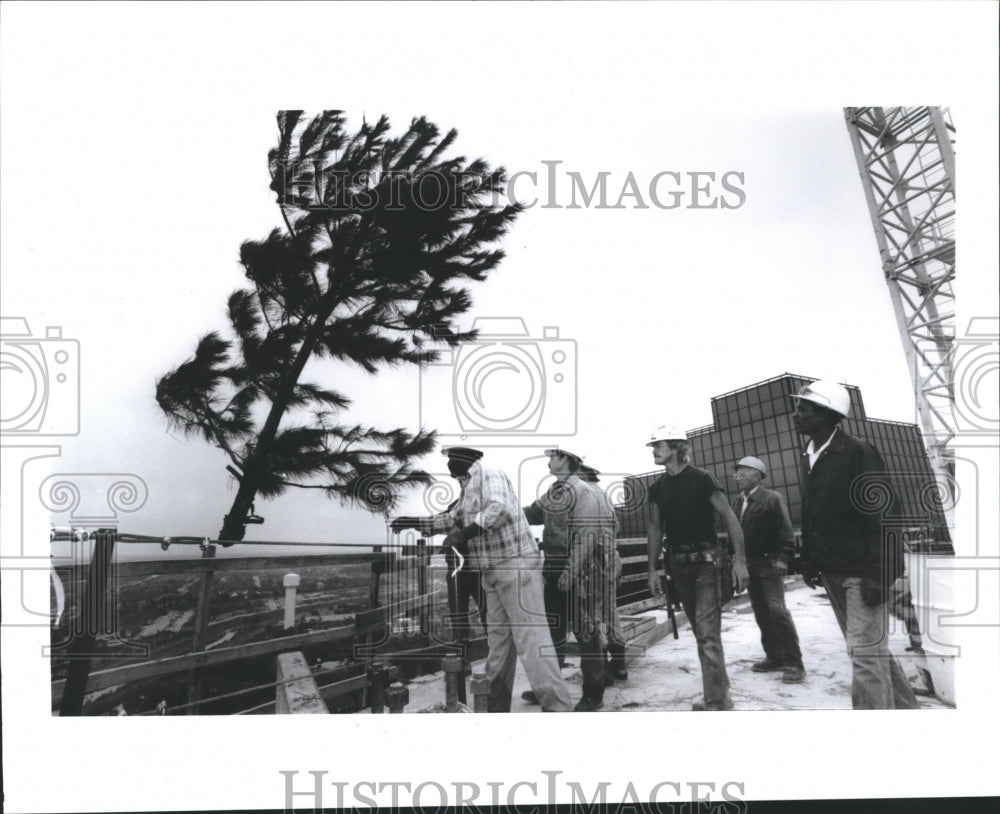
<point x="484" y="360"/>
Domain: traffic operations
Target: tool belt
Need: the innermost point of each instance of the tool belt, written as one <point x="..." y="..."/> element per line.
<point x="689" y="554"/>
<point x="767" y="556"/>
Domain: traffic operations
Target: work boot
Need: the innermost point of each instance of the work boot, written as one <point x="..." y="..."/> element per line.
<point x="530" y="697"/>
<point x="793" y="675"/>
<point x="588" y="704"/>
<point x="616" y="664"/>
<point x="767" y="666"/>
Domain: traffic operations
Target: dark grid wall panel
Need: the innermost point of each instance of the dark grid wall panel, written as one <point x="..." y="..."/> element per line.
<point x="758" y="421"/>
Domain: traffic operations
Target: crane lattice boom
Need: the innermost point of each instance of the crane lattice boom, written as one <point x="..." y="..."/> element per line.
<point x="906" y="158"/>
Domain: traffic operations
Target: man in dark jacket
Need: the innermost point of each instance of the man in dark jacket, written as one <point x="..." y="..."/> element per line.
<point x="846" y="490"/>
<point x="769" y="541"/>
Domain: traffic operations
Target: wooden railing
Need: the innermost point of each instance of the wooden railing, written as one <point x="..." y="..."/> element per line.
<point x="366" y="630"/>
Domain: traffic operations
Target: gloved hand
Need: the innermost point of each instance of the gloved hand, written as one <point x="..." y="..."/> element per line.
<point x="425" y="525"/>
<point x="872" y="591"/>
<point x="810" y="575"/>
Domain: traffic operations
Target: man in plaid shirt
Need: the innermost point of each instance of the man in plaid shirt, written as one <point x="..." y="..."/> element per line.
<point x="489" y="528"/>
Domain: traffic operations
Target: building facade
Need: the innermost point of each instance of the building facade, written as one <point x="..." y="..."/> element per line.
<point x="757" y="420"/>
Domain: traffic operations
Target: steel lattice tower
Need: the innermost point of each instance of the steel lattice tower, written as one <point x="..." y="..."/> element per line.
<point x="906" y="158"/>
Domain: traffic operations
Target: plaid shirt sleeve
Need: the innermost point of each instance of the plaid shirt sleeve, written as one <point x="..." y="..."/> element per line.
<point x="497" y="502"/>
<point x="489" y="501"/>
<point x="445" y="522"/>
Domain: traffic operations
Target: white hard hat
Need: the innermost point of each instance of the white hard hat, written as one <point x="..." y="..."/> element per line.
<point x="827" y="394"/>
<point x="666" y="432"/>
<point x="559" y="451"/>
<point x="752" y="463"/>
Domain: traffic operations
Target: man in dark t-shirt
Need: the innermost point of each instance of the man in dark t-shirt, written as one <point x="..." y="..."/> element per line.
<point x="684" y="504"/>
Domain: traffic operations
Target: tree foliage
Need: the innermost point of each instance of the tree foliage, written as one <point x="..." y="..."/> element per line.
<point x="380" y="237"/>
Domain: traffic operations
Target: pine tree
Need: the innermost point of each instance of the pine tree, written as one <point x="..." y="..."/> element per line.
<point x="379" y="237"/>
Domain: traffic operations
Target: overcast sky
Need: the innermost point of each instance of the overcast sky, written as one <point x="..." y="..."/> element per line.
<point x="134" y="164"/>
<point x="127" y="211"/>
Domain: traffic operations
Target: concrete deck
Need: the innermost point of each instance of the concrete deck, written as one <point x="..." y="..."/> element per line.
<point x="667" y="677"/>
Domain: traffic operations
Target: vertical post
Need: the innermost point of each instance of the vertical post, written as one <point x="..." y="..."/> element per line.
<point x="459" y="627"/>
<point x="397" y="696"/>
<point x="422" y="557"/>
<point x="480" y="686"/>
<point x="92" y="619"/>
<point x="376" y="683"/>
<point x="454" y="675"/>
<point x="379" y="564"/>
<point x="376" y="579"/>
<point x="291" y="582"/>
<point x="452" y="587"/>
<point x="201" y="614"/>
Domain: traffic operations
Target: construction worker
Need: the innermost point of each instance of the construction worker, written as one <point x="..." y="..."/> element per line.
<point x="549" y="511"/>
<point x="769" y="540"/>
<point x="684" y="503"/>
<point x="843" y="543"/>
<point x="488" y="523"/>
<point x="575" y="517"/>
<point x="615" y="664"/>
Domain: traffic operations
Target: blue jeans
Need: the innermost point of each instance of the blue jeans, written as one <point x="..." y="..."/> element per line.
<point x="585" y="604"/>
<point x="878" y="682"/>
<point x="697" y="587"/>
<point x="767" y="598"/>
<point x="556" y="604"/>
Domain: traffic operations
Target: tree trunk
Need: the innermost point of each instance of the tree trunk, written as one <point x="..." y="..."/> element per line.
<point x="233" y="525"/>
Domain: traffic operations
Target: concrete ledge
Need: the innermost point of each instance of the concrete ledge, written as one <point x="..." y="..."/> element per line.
<point x="297" y="693"/>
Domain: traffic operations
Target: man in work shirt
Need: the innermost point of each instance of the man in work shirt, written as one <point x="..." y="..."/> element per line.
<point x="488" y="523"/>
<point x="769" y="540"/>
<point x="844" y="544"/>
<point x="684" y="504"/>
<point x="550" y="511"/>
<point x="574" y="514"/>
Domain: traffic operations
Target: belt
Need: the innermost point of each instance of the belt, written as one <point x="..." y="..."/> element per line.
<point x="684" y="548"/>
<point x="686" y="554"/>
